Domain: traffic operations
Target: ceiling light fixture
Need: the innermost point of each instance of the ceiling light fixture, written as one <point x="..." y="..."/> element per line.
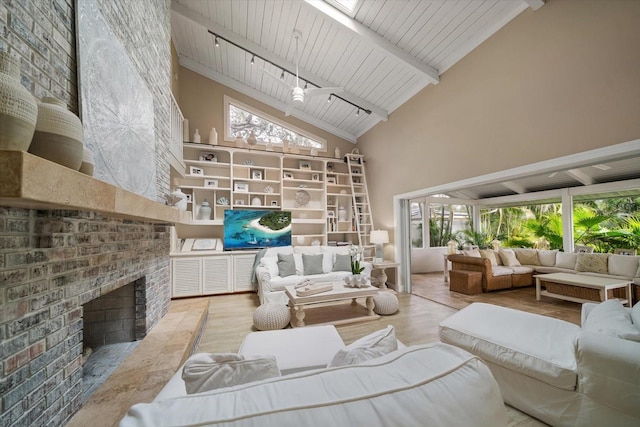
<point x="329" y="98"/>
<point x="358" y="112"/>
<point x="307" y="82"/>
<point x="253" y="59"/>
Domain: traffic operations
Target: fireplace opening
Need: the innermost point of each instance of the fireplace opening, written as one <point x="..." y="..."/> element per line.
<point x="110" y="333"/>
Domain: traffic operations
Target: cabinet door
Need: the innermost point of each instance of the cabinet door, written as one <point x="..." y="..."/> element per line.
<point x="216" y="275"/>
<point x="185" y="277"/>
<point x="242" y="272"/>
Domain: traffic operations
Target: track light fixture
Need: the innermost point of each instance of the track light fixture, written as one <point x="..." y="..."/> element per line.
<point x="217" y="39"/>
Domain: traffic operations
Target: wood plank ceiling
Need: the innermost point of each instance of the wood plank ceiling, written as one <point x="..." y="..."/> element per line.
<point x="383" y="55"/>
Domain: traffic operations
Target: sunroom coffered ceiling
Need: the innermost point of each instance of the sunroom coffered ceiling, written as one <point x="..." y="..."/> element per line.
<point x="384" y="55"/>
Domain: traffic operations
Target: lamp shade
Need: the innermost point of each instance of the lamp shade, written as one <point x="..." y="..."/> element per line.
<point x="379" y="236"/>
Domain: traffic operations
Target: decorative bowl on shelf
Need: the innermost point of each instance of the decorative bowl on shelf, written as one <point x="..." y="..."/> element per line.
<point x="222" y="201"/>
<point x="268" y="189"/>
<point x="302" y="198"/>
<point x="249" y="162"/>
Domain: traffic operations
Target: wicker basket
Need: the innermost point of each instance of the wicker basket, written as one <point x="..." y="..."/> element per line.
<point x="580" y="292"/>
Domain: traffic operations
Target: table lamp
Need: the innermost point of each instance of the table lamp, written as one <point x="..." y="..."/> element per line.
<point x="379" y="237"/>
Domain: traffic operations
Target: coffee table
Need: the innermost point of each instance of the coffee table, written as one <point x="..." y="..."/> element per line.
<point x="580" y="288"/>
<point x="326" y="311"/>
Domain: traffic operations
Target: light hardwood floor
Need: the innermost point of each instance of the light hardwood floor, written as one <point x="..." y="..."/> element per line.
<point x="231" y="316"/>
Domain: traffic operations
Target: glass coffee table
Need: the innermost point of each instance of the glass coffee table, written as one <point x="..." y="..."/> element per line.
<point x="321" y="308"/>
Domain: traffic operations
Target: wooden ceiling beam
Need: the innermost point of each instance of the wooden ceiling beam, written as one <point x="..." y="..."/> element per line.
<point x="375" y="40"/>
<point x="535" y="4"/>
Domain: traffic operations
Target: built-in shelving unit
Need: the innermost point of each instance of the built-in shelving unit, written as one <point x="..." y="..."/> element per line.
<point x="318" y="192"/>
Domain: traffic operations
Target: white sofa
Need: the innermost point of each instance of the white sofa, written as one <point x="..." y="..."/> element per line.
<point x="498" y="275"/>
<point x="271" y="285"/>
<point x="556" y="371"/>
<point x="435" y="384"/>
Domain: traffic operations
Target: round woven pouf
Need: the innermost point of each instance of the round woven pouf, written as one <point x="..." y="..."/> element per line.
<point x="386" y="303"/>
<point x="268" y="317"/>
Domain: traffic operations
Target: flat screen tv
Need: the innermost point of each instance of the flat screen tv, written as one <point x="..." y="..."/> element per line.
<point x="255" y="229"/>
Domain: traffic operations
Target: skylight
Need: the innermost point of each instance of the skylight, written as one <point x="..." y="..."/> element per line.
<point x="346" y="6"/>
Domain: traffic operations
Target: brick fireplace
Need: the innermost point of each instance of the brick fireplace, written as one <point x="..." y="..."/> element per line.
<point x="51" y="264"/>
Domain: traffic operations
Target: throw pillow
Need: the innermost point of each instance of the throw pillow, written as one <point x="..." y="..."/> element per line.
<point x="490" y="255"/>
<point x="286" y="265"/>
<point x="566" y="260"/>
<point x="623" y="265"/>
<point x="497" y="255"/>
<point x="343" y="263"/>
<point x="527" y="256"/>
<point x="547" y="258"/>
<point x="312" y="264"/>
<point x="204" y="372"/>
<point x="611" y="318"/>
<point x="473" y="252"/>
<point x="635" y="315"/>
<point x="366" y="348"/>
<point x="508" y="258"/>
<point x="271" y="264"/>
<point x="594" y="263"/>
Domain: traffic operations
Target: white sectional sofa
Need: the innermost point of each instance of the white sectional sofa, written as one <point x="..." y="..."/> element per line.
<point x="558" y="372"/>
<point x="499" y="273"/>
<point x="435" y="384"/>
<point x="271" y="284"/>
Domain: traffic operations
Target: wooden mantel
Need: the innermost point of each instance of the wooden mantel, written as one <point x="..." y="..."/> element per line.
<point x="30" y="182"/>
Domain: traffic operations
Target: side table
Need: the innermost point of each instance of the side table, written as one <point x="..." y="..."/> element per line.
<point x="378" y="275"/>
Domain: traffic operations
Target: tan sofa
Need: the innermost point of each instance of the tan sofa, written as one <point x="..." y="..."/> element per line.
<point x="496" y="275"/>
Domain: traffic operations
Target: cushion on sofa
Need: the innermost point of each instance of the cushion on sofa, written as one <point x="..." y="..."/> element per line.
<point x="342" y="263"/>
<point x="623" y="265"/>
<point x="205" y="371"/>
<point x="635" y="315"/>
<point x="497" y="255"/>
<point x="566" y="260"/>
<point x="611" y="318"/>
<point x="521" y="270"/>
<point x="366" y="348"/>
<point x="490" y="255"/>
<point x="527" y="256"/>
<point x="537" y="346"/>
<point x="593" y="263"/>
<point x="509" y="258"/>
<point x="502" y="271"/>
<point x="312" y="264"/>
<point x="472" y="252"/>
<point x="286" y="265"/>
<point x="271" y="264"/>
<point x="547" y="258"/>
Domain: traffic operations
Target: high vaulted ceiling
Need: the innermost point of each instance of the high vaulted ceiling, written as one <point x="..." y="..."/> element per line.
<point x="384" y="55"/>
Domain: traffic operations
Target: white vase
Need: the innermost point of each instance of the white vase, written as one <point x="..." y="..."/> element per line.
<point x="213" y="137"/>
<point x="342" y="213"/>
<point x="88" y="163"/>
<point x="336" y="153"/>
<point x="58" y="135"/>
<point x="18" y="108"/>
<point x="204" y="213"/>
<point x="196" y="136"/>
<point x="185" y="130"/>
<point x="252" y="140"/>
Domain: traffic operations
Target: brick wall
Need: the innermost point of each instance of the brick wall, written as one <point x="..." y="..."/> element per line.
<point x="52" y="262"/>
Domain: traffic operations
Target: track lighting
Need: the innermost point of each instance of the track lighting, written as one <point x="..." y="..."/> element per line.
<point x="217" y="39"/>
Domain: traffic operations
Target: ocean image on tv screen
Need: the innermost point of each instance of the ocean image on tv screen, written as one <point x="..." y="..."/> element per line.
<point x="253" y="229"/>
